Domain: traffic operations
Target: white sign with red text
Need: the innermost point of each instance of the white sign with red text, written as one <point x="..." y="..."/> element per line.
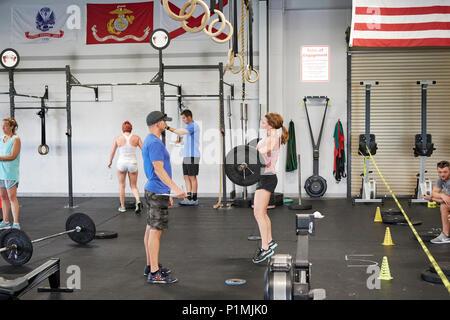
<point x="315" y="63"/>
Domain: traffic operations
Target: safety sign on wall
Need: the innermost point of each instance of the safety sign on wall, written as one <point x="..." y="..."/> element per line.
<point x="315" y="63"/>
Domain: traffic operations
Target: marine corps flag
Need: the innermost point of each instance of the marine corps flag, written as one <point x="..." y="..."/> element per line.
<point x="119" y="22"/>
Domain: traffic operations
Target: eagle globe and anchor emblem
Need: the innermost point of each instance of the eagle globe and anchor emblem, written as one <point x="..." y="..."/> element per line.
<point x="121" y="23"/>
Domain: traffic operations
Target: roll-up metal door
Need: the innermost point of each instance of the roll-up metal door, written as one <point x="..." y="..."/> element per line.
<point x="395" y="114"/>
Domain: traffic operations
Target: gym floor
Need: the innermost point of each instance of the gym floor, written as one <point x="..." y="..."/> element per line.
<point x="204" y="247"/>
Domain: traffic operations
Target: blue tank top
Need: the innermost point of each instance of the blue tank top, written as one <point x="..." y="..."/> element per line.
<point x="9" y="170"/>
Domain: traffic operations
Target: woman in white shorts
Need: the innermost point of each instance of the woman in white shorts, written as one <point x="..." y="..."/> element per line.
<point x="126" y="144"/>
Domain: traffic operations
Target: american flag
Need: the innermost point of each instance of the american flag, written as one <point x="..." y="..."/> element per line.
<point x="400" y="23"/>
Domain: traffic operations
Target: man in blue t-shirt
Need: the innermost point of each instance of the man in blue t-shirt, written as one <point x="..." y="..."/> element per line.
<point x="441" y="194"/>
<point x="191" y="156"/>
<point x="157" y="195"/>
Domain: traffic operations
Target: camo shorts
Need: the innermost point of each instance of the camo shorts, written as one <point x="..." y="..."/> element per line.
<point x="157" y="210"/>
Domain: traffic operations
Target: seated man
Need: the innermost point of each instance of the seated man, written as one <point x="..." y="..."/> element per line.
<point x="441" y="194"/>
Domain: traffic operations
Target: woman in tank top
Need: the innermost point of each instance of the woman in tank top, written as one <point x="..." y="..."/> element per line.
<point x="126" y="145"/>
<point x="9" y="173"/>
<point x="269" y="148"/>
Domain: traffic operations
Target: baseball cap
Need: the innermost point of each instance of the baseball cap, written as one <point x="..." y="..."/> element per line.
<point x="156" y="116"/>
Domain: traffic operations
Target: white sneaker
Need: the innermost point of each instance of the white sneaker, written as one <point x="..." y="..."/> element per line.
<point x="441" y="239"/>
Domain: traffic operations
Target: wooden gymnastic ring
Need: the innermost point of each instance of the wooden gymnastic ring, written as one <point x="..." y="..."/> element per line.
<point x="205" y="18"/>
<point x="241" y="65"/>
<point x="230" y="34"/>
<point x="248" y="74"/>
<point x="221" y="18"/>
<point x="230" y="61"/>
<point x="193" y="4"/>
<point x="43" y="149"/>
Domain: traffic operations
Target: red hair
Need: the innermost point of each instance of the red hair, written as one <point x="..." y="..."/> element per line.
<point x="127" y="127"/>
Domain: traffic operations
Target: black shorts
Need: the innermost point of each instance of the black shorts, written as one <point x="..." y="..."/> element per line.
<point x="157" y="210"/>
<point x="267" y="182"/>
<point x="190" y="166"/>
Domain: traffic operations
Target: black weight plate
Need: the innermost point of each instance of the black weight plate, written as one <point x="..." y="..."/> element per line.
<point x="445" y="267"/>
<point x="24" y="251"/>
<point x="241" y="203"/>
<point x="391" y="212"/>
<point x="243" y="165"/>
<point x="276" y="199"/>
<point x="428" y="235"/>
<point x="398" y="220"/>
<point x="254" y="142"/>
<point x="315" y="186"/>
<point x="87" y="232"/>
<point x="429" y="276"/>
<point x="105" y="235"/>
<point x="130" y="205"/>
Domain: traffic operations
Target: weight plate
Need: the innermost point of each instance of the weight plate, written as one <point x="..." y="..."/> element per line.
<point x="428" y="235"/>
<point x="254" y="142"/>
<point x="315" y="186"/>
<point x="24" y="251"/>
<point x="235" y="282"/>
<point x="87" y="232"/>
<point x="130" y="205"/>
<point x="445" y="267"/>
<point x="243" y="165"/>
<point x="106" y="235"/>
<point x="429" y="276"/>
<point x="398" y="220"/>
<point x="392" y="212"/>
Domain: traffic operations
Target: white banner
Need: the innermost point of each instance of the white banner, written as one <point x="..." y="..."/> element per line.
<point x="174" y="26"/>
<point x="40" y="24"/>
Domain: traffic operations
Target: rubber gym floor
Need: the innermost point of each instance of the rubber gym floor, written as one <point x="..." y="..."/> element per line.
<point x="204" y="247"/>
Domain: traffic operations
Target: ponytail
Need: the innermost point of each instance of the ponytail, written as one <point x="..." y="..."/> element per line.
<point x="284" y="135"/>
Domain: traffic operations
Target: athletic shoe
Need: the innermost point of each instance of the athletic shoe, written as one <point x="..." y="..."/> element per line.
<point x="441" y="239"/>
<point x="163" y="270"/>
<point x="138" y="207"/>
<point x="194" y="203"/>
<point x="184" y="202"/>
<point x="273" y="244"/>
<point x="262" y="255"/>
<point x="122" y="209"/>
<point x="5" y="225"/>
<point x="160" y="277"/>
<point x="16" y="226"/>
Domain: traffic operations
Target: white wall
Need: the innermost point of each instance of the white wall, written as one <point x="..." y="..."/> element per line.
<point x="291" y="29"/>
<point x="96" y="123"/>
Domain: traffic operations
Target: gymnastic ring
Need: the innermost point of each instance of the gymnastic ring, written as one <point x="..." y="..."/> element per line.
<point x="241" y="65"/>
<point x="43" y="149"/>
<point x="180" y="17"/>
<point x="221" y="18"/>
<point x="205" y="18"/>
<point x="248" y="74"/>
<point x="230" y="61"/>
<point x="230" y="34"/>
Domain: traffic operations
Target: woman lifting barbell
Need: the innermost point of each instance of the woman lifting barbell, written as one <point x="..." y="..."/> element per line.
<point x="127" y="163"/>
<point x="9" y="172"/>
<point x="269" y="148"/>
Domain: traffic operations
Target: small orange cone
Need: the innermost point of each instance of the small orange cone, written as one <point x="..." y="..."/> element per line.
<point x="385" y="273"/>
<point x="378" y="216"/>
<point x="387" y="238"/>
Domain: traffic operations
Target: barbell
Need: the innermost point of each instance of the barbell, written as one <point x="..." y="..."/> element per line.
<point x="17" y="248"/>
<point x="243" y="165"/>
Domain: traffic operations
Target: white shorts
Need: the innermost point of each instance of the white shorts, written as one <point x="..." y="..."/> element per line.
<point x="124" y="166"/>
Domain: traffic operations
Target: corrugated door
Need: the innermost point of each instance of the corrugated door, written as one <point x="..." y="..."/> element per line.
<point x="395" y="114"/>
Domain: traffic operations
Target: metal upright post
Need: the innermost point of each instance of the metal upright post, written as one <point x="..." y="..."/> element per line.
<point x="161" y="90"/>
<point x="222" y="131"/>
<point x="69" y="134"/>
<point x="11" y="93"/>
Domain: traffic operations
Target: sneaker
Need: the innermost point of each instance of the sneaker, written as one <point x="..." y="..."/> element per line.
<point x="5" y="225"/>
<point x="185" y="202"/>
<point x="160" y="277"/>
<point x="194" y="203"/>
<point x="441" y="239"/>
<point x="273" y="244"/>
<point x="163" y="270"/>
<point x="138" y="207"/>
<point x="122" y="209"/>
<point x="16" y="226"/>
<point x="262" y="255"/>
